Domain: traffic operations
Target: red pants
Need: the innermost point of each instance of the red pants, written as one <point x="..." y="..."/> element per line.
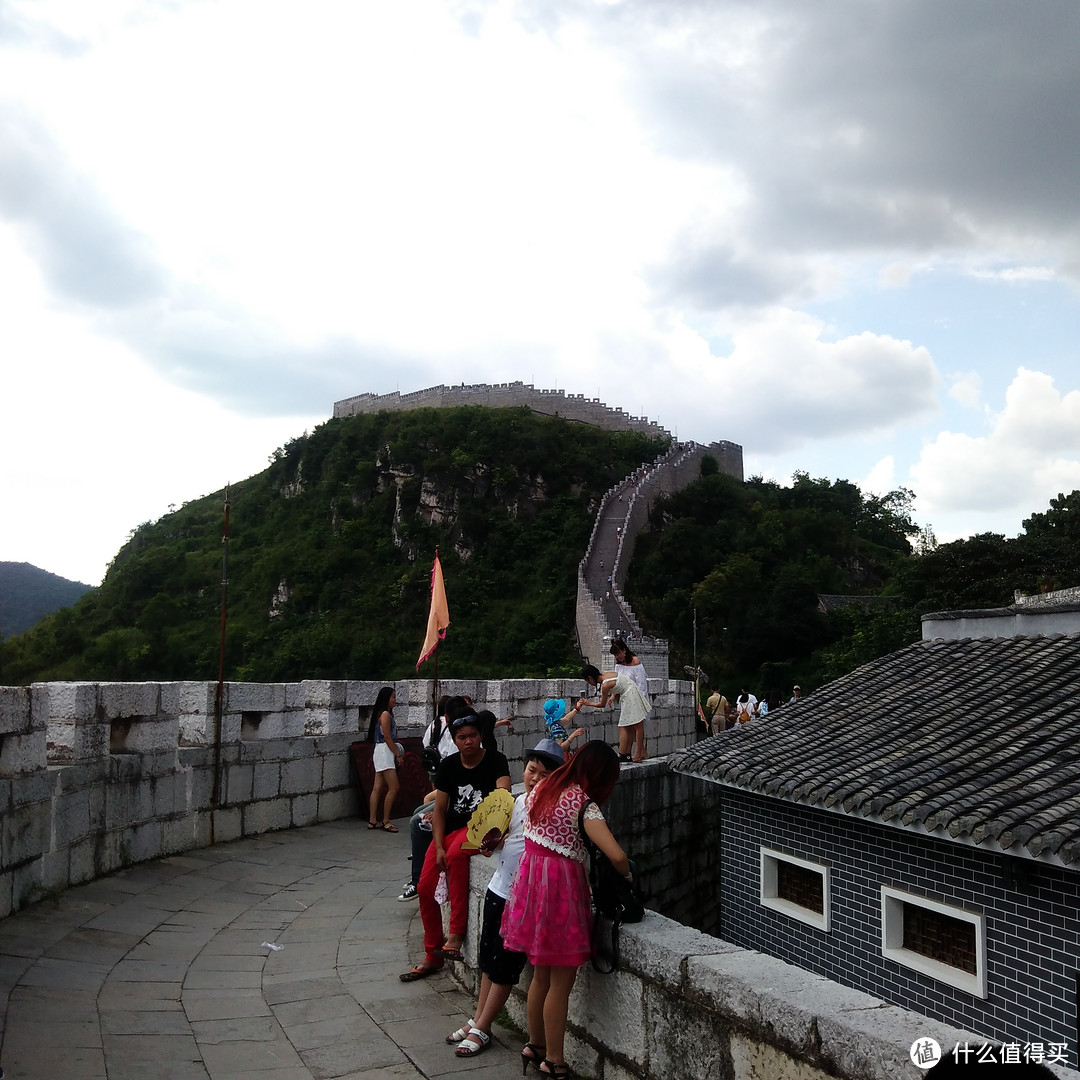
<point x="457" y="884"/>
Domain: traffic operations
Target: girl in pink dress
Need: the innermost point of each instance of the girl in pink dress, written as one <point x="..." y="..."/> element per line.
<point x="548" y="916"/>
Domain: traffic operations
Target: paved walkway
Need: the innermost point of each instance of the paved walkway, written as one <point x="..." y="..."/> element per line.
<point x="159" y="972"/>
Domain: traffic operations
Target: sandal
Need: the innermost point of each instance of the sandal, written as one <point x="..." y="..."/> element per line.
<point x="421" y="972"/>
<point x="374" y="825"/>
<point x="560" y="1072"/>
<point x="531" y="1054"/>
<point x="388" y="826"/>
<point x="461" y="1034"/>
<point x="477" y="1042"/>
<point x="451" y="954"/>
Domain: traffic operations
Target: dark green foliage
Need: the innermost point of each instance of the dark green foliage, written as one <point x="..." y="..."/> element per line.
<point x="27" y="594"/>
<point x="330" y="554"/>
<point x="752" y="558"/>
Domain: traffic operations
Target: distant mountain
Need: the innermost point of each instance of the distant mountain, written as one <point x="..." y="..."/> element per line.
<point x="28" y="594"/>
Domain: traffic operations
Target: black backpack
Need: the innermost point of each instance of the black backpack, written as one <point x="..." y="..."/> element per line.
<point x="615" y="901"/>
<point x="430" y="754"/>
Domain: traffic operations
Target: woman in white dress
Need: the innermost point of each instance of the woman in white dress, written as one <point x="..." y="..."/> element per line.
<point x="625" y="684"/>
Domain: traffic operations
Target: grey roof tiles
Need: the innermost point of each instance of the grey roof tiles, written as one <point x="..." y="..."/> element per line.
<point x="972" y="740"/>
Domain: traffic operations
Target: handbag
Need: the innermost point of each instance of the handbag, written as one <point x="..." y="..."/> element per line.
<point x="615" y="901"/>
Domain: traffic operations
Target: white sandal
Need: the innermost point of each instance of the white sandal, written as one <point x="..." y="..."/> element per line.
<point x="461" y="1034"/>
<point x="476" y="1043"/>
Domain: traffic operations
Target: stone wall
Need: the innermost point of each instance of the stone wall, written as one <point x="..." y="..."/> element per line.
<point x="670" y="473"/>
<point x="95" y="776"/>
<point x="504" y="396"/>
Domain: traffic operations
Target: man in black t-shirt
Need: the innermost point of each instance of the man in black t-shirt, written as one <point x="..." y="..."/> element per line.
<point x="460" y="785"/>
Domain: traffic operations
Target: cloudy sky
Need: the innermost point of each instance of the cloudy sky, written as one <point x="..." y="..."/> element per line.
<point x="845" y="234"/>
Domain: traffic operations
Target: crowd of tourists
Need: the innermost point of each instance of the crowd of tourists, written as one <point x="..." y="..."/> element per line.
<point x="718" y="713"/>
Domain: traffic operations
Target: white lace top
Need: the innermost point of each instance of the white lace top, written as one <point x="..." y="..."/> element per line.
<point x="559" y="830"/>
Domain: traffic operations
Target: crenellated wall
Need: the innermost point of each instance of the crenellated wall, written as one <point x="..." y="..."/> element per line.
<point x="95" y="776"/>
<point x="504" y="396"/>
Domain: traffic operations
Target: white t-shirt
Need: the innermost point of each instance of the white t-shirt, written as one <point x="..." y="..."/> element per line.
<point x="637" y="675"/>
<point x="512" y="850"/>
<point x="447" y="746"/>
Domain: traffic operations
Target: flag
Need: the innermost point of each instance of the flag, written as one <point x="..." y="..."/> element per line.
<point x="438" y="617"/>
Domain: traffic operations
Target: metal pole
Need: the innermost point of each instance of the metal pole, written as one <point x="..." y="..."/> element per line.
<point x="219" y="696"/>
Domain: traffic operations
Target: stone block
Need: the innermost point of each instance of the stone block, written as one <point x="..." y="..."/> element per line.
<point x="238" y="783"/>
<point x="305" y="810"/>
<point x="198" y="729"/>
<point x="81" y="739"/>
<point x="340" y="804"/>
<point x="321" y="721"/>
<point x="145" y="842"/>
<point x="83" y="861"/>
<point x="266" y="783"/>
<point x="179" y="835"/>
<point x="144" y="734"/>
<point x="25" y="833"/>
<point x="124" y="700"/>
<point x="128" y="800"/>
<point x="268" y="816"/>
<point x="188" y="698"/>
<point x="298" y="777"/>
<point x="256" y="697"/>
<point x="55" y="869"/>
<point x="71" y="817"/>
<point x="32" y="788"/>
<point x="26" y="886"/>
<point x="6" y="901"/>
<point x="75" y="701"/>
<point x="15" y="715"/>
<point x="657" y="949"/>
<point x="323" y="694"/>
<point x="22" y="752"/>
<point x="170" y="795"/>
<point x="615" y="1005"/>
<point x="336" y="771"/>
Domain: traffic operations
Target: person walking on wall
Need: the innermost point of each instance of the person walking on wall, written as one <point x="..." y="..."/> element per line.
<point x="386" y="757"/>
<point x="548" y="916"/>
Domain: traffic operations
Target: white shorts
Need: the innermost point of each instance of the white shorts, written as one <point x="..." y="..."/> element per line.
<point x="383" y="757"/>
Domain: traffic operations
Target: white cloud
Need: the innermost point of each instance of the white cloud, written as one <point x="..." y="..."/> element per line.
<point x="1031" y="453"/>
<point x="966" y="389"/>
<point x="881" y="479"/>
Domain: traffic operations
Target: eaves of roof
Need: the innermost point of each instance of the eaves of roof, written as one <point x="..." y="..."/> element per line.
<point x="972" y="741"/>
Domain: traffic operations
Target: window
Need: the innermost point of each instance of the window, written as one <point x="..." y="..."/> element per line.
<point x="937" y="939"/>
<point x="795" y="887"/>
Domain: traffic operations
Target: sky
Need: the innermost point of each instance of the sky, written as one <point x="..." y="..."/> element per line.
<point x="844" y="234"/>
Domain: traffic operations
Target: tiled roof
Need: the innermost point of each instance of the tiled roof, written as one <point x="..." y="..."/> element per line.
<point x="973" y="740"/>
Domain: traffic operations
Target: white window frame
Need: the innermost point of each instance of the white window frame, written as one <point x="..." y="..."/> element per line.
<point x="769" y="899"/>
<point x="892" y="940"/>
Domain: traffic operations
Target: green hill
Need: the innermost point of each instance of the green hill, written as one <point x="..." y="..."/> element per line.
<point x="28" y="594"/>
<point x="330" y="555"/>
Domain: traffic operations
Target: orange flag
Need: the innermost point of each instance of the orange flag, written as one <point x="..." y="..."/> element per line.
<point x="438" y="617"/>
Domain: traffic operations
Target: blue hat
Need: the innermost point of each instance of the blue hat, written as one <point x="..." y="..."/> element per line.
<point x="554" y="709"/>
<point x="549" y="752"/>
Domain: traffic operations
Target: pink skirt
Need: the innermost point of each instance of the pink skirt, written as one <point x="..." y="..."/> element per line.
<point x="549" y="914"/>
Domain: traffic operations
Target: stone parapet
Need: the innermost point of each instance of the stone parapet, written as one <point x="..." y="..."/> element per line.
<point x="96" y="776"/>
<point x="504" y="396"/>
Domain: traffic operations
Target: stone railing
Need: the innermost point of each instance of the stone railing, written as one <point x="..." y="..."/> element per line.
<point x="96" y="776"/>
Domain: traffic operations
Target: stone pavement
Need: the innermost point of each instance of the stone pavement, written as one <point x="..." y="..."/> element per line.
<point x="159" y="972"/>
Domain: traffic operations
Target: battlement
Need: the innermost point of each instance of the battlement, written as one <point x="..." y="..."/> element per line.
<point x="507" y="395"/>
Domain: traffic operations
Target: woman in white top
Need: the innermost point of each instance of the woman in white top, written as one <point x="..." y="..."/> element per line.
<point x="627" y="663"/>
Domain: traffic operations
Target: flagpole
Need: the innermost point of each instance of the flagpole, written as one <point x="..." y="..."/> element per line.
<point x="219" y="696"/>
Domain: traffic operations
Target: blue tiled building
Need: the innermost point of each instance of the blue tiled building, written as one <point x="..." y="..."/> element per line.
<point x="913" y="830"/>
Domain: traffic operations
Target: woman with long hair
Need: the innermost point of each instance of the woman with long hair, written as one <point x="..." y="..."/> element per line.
<point x="386" y="757"/>
<point x="548" y="916"/>
<point x="625" y="684"/>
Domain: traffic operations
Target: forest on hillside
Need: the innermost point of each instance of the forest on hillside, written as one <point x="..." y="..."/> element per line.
<point x="749" y="562"/>
<point x="330" y="553"/>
